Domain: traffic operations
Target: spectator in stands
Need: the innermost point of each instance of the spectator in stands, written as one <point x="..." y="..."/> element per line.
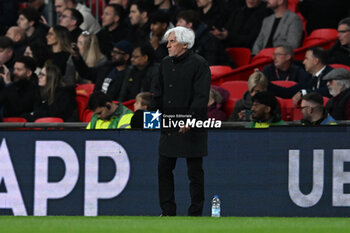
<point x="313" y="111"/>
<point x="257" y="82"/>
<point x="123" y="3"/>
<point x="140" y="12"/>
<point x="159" y="25"/>
<point x="21" y="91"/>
<point x="110" y="76"/>
<point x="18" y="36"/>
<point x="7" y="54"/>
<point x="107" y="114"/>
<point x="56" y="98"/>
<point x="215" y="104"/>
<point x="39" y="53"/>
<point x="142" y="75"/>
<point x="90" y="52"/>
<point x="210" y="12"/>
<point x="243" y="25"/>
<point x="58" y="38"/>
<point x="338" y="82"/>
<point x="8" y="15"/>
<point x="323" y="13"/>
<point x="205" y="43"/>
<point x="167" y="6"/>
<point x="29" y="21"/>
<point x="283" y="68"/>
<point x="142" y="102"/>
<point x="315" y="63"/>
<point x="89" y="23"/>
<point x="283" y="27"/>
<point x="182" y="88"/>
<point x="265" y="111"/>
<point x="40" y="6"/>
<point x="340" y="52"/>
<point x="72" y="19"/>
<point x="114" y="28"/>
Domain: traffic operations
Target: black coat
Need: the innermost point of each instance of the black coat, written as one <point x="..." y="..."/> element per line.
<point x="64" y="106"/>
<point x="183" y="88"/>
<point x="339" y="54"/>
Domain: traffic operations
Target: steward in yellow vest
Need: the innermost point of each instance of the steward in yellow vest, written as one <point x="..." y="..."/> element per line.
<point x="107" y="114"/>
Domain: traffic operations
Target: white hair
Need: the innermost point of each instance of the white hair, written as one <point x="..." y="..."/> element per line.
<point x="183" y="35"/>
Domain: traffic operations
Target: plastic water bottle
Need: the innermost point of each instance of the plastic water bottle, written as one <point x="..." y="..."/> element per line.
<point x="215" y="207"/>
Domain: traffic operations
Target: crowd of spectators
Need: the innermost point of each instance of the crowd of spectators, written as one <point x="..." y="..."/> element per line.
<point x="120" y="52"/>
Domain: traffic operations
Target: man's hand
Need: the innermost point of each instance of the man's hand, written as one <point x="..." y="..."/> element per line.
<point x="5" y="74"/>
<point x="184" y="129"/>
<point x="241" y="115"/>
<point x="296" y="99"/>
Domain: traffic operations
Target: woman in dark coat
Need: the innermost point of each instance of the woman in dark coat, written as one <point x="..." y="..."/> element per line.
<point x="57" y="99"/>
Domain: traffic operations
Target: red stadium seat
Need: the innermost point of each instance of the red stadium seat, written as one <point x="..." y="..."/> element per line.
<point x="85" y="88"/>
<point x="87" y="115"/>
<point x="324" y="37"/>
<point x="263" y="55"/>
<point x="289" y="111"/>
<point x="284" y="83"/>
<point x="293" y="5"/>
<point x="49" y="120"/>
<point x="241" y="56"/>
<point x="129" y="104"/>
<point x="82" y="100"/>
<point x="229" y="106"/>
<point x="337" y="66"/>
<point x="236" y="88"/>
<point x="14" y="119"/>
<point x="217" y="71"/>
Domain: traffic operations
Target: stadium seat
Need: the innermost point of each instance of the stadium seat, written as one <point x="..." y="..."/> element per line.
<point x="87" y="115"/>
<point x="289" y="111"/>
<point x="82" y="100"/>
<point x="236" y="88"/>
<point x="217" y="71"/>
<point x="229" y="106"/>
<point x="337" y="66"/>
<point x="14" y="119"/>
<point x="263" y="55"/>
<point x="284" y="83"/>
<point x="85" y="88"/>
<point x="129" y="104"/>
<point x="293" y="5"/>
<point x="324" y="37"/>
<point x="49" y="120"/>
<point x="241" y="56"/>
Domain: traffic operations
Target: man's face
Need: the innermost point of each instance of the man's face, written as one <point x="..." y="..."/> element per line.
<point x="138" y="104"/>
<point x="137" y="59"/>
<point x="23" y="23"/>
<point x="66" y="19"/>
<point x="5" y="55"/>
<point x="252" y="3"/>
<point x="109" y="17"/>
<point x="280" y="57"/>
<point x="344" y="34"/>
<point x="334" y="88"/>
<point x="118" y="56"/>
<point x="260" y="111"/>
<point x="60" y="6"/>
<point x="158" y="29"/>
<point x="175" y="49"/>
<point x="310" y="62"/>
<point x="135" y="15"/>
<point x="102" y="113"/>
<point x="306" y="110"/>
<point x="183" y="23"/>
<point x="203" y="3"/>
<point x="272" y="4"/>
<point x="20" y="72"/>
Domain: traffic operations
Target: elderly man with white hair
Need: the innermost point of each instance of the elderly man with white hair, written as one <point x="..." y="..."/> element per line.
<point x="338" y="83"/>
<point x="181" y="93"/>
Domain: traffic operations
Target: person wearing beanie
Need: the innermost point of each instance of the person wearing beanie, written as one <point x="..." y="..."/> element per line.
<point x="266" y="111"/>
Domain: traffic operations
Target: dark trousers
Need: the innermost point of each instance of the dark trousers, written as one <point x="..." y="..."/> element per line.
<point x="166" y="185"/>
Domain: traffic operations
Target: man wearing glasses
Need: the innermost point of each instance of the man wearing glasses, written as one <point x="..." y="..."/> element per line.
<point x="340" y="52"/>
<point x="72" y="19"/>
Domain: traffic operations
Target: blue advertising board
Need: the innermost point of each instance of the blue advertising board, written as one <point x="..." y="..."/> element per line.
<point x="282" y="171"/>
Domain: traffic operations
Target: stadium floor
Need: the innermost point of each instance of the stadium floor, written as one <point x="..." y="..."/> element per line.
<point x="139" y="224"/>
